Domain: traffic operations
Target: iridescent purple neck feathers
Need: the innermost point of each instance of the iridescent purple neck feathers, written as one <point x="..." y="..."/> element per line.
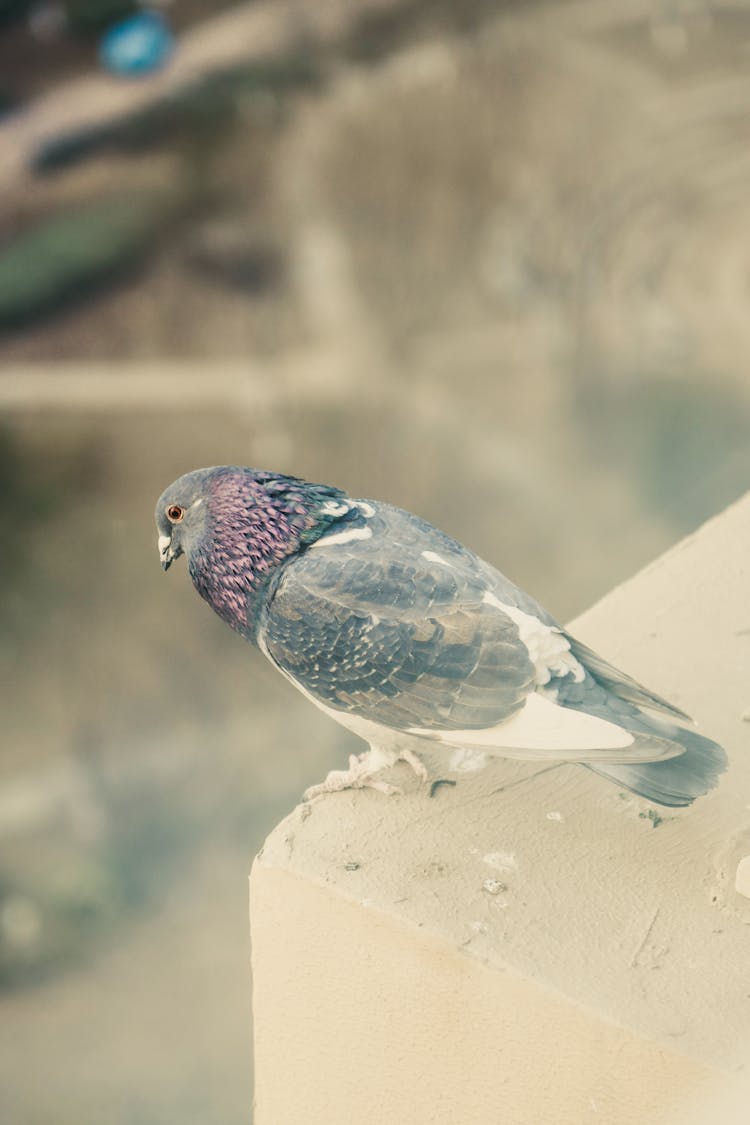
<point x="255" y="521"/>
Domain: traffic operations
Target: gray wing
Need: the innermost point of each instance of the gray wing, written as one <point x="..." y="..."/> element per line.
<point x="395" y="623"/>
<point x="394" y="629"/>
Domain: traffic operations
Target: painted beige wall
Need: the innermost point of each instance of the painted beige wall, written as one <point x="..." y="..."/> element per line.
<point x="527" y="947"/>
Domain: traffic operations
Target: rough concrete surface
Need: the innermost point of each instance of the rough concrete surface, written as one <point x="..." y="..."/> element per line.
<point x="573" y="945"/>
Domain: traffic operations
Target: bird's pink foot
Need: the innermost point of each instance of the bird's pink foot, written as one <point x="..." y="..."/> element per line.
<point x="362" y="773"/>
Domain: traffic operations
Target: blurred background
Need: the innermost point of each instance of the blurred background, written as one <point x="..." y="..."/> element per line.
<point x="487" y="260"/>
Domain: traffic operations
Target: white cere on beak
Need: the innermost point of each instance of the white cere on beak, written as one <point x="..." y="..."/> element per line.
<point x="163" y="544"/>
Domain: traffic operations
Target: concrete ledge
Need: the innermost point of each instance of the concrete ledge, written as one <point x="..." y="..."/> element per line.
<point x="533" y="945"/>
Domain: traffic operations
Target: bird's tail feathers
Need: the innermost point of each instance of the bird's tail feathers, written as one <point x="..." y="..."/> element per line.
<point x="677" y="781"/>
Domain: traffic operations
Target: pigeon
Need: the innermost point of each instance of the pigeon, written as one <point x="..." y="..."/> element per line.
<point x="411" y="641"/>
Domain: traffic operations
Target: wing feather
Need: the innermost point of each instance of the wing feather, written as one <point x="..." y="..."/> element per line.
<point x="620" y="684"/>
<point x="376" y="628"/>
<point x="407" y="630"/>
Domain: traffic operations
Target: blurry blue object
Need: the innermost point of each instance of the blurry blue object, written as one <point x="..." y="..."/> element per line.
<point x="137" y="45"/>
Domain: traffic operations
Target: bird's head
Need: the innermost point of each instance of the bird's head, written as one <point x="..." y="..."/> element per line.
<point x="236" y="525"/>
<point x="182" y="516"/>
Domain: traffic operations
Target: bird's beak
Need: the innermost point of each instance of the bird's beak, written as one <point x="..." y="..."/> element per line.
<point x="166" y="554"/>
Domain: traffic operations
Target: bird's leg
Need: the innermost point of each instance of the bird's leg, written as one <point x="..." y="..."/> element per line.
<point x="362" y="770"/>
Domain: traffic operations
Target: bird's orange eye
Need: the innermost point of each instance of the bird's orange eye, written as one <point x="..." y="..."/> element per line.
<point x="175" y="513"/>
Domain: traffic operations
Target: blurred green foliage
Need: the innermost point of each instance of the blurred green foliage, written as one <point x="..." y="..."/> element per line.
<point x="59" y="259"/>
<point x="66" y="255"/>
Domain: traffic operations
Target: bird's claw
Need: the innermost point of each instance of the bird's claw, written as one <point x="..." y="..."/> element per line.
<point x="338" y="780"/>
<point x="362" y="771"/>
